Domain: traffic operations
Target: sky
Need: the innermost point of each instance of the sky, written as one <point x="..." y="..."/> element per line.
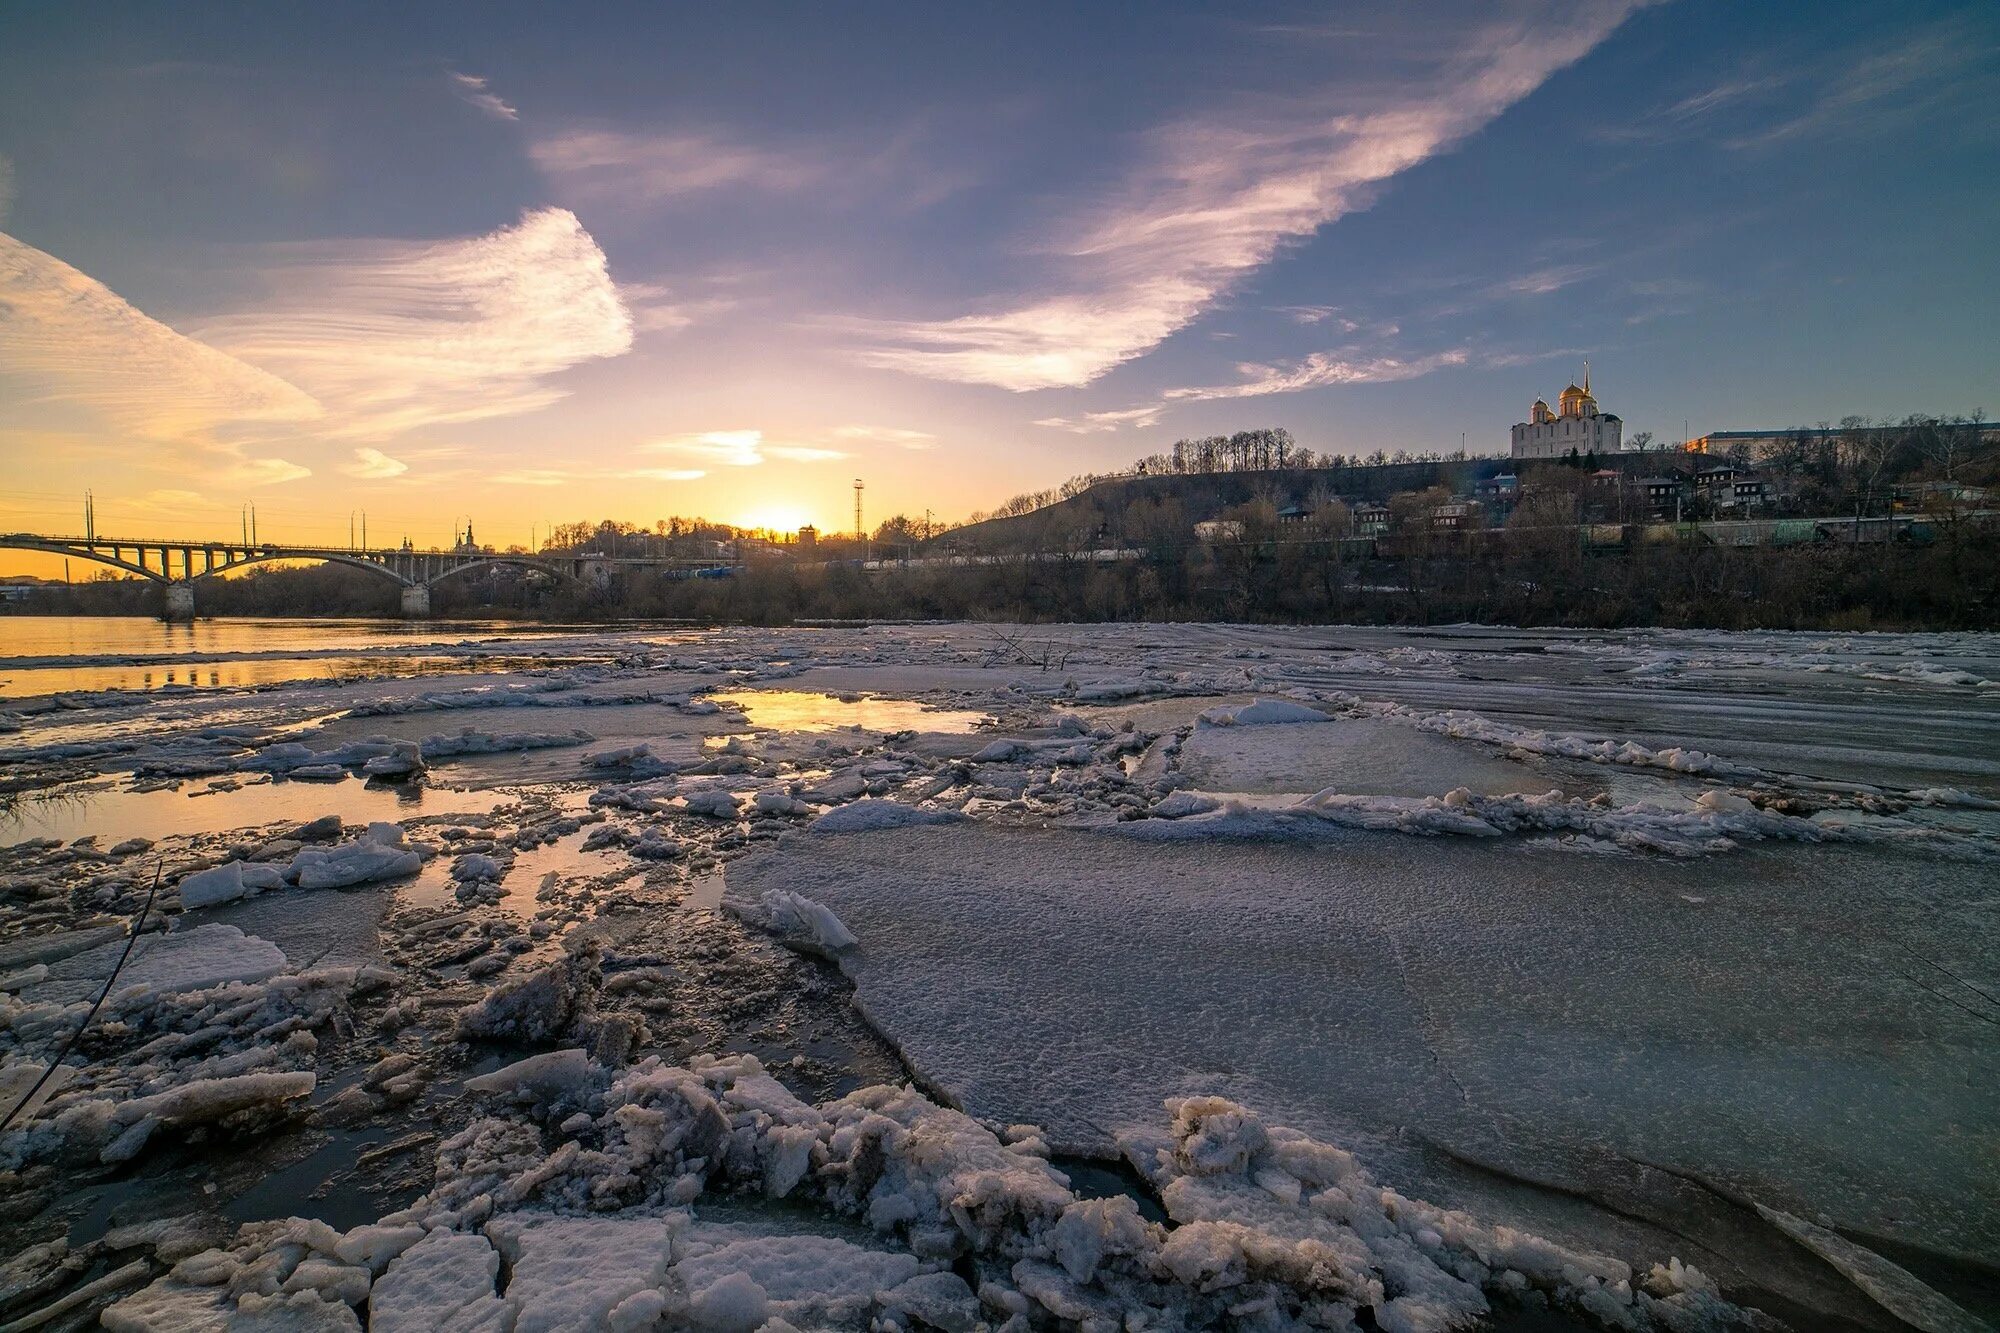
<point x="517" y="264"/>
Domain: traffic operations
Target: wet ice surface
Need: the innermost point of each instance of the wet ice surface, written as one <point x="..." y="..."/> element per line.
<point x="1791" y="1025"/>
<point x="1615" y="938"/>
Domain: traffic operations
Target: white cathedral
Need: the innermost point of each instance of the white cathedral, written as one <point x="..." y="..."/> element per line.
<point x="1576" y="424"/>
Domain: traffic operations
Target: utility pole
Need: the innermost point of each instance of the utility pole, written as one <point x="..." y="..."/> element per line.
<point x="243" y="516"/>
<point x="364" y="529"/>
<point x="89" y="518"/>
<point x="253" y="523"/>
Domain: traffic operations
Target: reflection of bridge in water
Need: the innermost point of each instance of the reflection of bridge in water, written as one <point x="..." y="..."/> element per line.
<point x="177" y="564"/>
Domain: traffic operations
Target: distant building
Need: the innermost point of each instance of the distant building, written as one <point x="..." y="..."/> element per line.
<point x="809" y="537"/>
<point x="1662" y="495"/>
<point x="1575" y="427"/>
<point x="1456" y="515"/>
<point x="1218" y="530"/>
<point x="1371" y="519"/>
<point x="1759" y="446"/>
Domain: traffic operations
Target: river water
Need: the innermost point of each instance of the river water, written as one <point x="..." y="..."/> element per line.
<point x="42" y="655"/>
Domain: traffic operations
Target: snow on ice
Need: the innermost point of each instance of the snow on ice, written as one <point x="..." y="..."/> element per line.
<point x="1288" y="925"/>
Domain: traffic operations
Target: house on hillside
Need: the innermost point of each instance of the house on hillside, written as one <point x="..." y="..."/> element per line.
<point x="1371" y="518"/>
<point x="1662" y="497"/>
<point x="1218" y="530"/>
<point x="1455" y="516"/>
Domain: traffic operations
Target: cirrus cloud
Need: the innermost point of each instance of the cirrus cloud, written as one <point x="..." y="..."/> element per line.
<point x="739" y="448"/>
<point x="69" y="342"/>
<point x="1217" y="201"/>
<point x="374" y="465"/>
<point x="1320" y="369"/>
<point x="396" y="335"/>
<point x="1094" y="423"/>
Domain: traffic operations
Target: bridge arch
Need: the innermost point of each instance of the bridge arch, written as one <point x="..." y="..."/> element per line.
<point x="19" y="543"/>
<point x="542" y="564"/>
<point x="321" y="557"/>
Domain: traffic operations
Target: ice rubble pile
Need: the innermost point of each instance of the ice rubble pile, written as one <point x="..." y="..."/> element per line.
<point x="1462" y="725"/>
<point x="469" y="742"/>
<point x="373" y="756"/>
<point x="378" y="854"/>
<point x="1267" y="1229"/>
<point x="161" y="1055"/>
<point x="1718" y="822"/>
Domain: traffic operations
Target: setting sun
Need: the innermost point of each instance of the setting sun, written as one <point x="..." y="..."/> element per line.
<point x="775" y="519"/>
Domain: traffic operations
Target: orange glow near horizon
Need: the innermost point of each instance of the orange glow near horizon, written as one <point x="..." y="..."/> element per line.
<point x="777" y="519"/>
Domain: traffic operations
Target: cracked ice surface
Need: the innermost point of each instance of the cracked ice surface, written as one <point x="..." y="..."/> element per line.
<point x="1626" y="944"/>
<point x="1793" y="1024"/>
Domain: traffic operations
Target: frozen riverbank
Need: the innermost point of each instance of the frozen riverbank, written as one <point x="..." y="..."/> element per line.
<point x="1609" y="939"/>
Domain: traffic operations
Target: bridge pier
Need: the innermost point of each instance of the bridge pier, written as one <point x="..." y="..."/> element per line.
<point x="417" y="602"/>
<point x="180" y="601"/>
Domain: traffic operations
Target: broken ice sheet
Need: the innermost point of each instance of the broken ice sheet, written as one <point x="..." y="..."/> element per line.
<point x="1797" y="1034"/>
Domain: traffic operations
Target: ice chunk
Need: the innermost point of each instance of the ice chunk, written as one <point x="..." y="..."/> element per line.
<point x="733" y="1303"/>
<point x="571" y="1272"/>
<point x="1889" y="1285"/>
<point x="1181" y="804"/>
<point x="469" y="741"/>
<point x="716" y="803"/>
<point x="202" y="1101"/>
<point x="228" y="882"/>
<point x="545" y="1077"/>
<point x="378" y="854"/>
<point x="169" y="1307"/>
<point x="444" y="1281"/>
<point x="180" y="960"/>
<point x="535" y="1007"/>
<point x="808" y="1281"/>
<point x="1263" y="712"/>
<point x="791" y="915"/>
<point x="862" y="816"/>
<point x="16" y="1079"/>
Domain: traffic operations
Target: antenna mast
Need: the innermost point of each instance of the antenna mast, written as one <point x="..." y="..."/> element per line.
<point x="860" y="532"/>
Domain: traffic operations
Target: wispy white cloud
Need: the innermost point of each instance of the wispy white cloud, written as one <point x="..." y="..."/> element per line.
<point x="1542" y="281"/>
<point x="1094" y="423"/>
<point x="1317" y="314"/>
<point x="1918" y="72"/>
<point x="395" y="335"/>
<point x="659" y="309"/>
<point x="1784" y="98"/>
<point x="260" y="472"/>
<point x="902" y="439"/>
<point x="1218" y="201"/>
<point x="739" y="448"/>
<point x="374" y="465"/>
<point x="472" y="88"/>
<point x="71" y="345"/>
<point x="1321" y="369"/>
<point x="573" y="476"/>
<point x="621" y="166"/>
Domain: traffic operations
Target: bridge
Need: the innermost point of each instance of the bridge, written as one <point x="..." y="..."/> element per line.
<point x="178" y="563"/>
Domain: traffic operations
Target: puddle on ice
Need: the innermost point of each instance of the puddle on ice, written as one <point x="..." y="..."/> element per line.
<point x="705" y="890"/>
<point x="114" y="815"/>
<point x="520" y="888"/>
<point x="799" y="710"/>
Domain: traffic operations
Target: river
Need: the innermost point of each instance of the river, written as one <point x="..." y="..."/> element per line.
<point x="42" y="655"/>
